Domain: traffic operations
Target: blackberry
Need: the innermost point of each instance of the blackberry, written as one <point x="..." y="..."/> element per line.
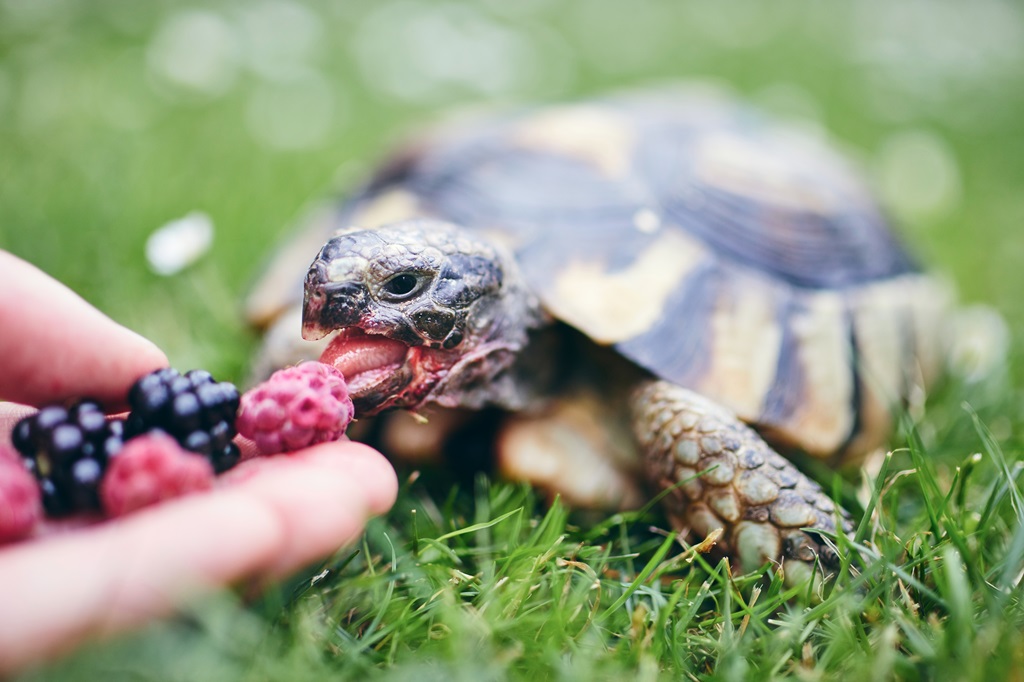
<point x="67" y="450"/>
<point x="195" y="410"/>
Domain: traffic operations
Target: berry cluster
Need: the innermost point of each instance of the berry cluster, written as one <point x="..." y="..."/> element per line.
<point x="178" y="435"/>
<point x="68" y="451"/>
<point x="295" y="408"/>
<point x="195" y="410"/>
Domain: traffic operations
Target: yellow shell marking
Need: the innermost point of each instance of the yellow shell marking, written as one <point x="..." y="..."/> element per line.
<point x="931" y="299"/>
<point x="613" y="307"/>
<point x="746" y="338"/>
<point x="769" y="171"/>
<point x="823" y="419"/>
<point x="390" y="207"/>
<point x="889" y="318"/>
<point x="591" y="134"/>
<point x="880" y="315"/>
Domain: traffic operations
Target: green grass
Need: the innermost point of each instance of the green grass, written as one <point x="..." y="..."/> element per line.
<point x="484" y="580"/>
<point x="488" y="582"/>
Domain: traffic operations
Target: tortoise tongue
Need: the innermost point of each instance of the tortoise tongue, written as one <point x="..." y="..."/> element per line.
<point x="364" y="358"/>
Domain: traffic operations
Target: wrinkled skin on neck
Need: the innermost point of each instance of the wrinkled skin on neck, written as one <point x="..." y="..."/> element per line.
<point x="422" y="312"/>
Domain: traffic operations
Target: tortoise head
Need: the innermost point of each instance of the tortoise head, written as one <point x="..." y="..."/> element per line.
<point x="423" y="312"/>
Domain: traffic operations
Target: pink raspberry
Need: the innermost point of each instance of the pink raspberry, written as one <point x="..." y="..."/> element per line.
<point x="152" y="468"/>
<point x="21" y="503"/>
<point x="295" y="408"/>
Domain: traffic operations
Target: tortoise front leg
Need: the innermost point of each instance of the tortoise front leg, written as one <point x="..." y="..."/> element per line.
<point x="722" y="475"/>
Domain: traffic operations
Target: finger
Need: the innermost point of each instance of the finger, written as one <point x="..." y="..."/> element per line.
<point x="246" y="446"/>
<point x="330" y="478"/>
<point x="55" y="346"/>
<point x="106" y="578"/>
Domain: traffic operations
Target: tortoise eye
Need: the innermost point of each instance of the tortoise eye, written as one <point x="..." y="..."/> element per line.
<point x="402" y="286"/>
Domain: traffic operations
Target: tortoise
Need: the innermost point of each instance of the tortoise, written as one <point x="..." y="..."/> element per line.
<point x="659" y="291"/>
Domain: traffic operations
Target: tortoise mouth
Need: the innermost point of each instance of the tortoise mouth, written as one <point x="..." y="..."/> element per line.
<point x="369" y="362"/>
<point x="384" y="373"/>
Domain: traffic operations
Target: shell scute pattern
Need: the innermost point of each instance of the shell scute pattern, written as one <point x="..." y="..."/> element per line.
<point x="715" y="250"/>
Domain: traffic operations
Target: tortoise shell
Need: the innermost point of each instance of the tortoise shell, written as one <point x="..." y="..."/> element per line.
<point x="714" y="248"/>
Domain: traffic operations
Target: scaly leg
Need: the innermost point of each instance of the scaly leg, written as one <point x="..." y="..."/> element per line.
<point x="724" y="476"/>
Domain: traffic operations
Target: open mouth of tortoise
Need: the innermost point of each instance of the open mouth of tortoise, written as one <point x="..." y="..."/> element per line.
<point x="384" y="373"/>
<point x="368" y="361"/>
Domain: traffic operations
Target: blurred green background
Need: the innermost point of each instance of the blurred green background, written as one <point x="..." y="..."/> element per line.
<point x="117" y="116"/>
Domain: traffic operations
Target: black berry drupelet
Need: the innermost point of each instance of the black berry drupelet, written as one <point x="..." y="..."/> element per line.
<point x="194" y="409"/>
<point x="67" y="450"/>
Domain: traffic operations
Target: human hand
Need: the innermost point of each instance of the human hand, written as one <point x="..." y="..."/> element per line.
<point x="267" y="518"/>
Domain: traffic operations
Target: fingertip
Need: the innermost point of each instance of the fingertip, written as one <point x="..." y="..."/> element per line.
<point x="130" y="357"/>
<point x="146" y="356"/>
<point x="65" y="348"/>
<point x="363" y="464"/>
<point x="347" y="460"/>
<point x="321" y="504"/>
